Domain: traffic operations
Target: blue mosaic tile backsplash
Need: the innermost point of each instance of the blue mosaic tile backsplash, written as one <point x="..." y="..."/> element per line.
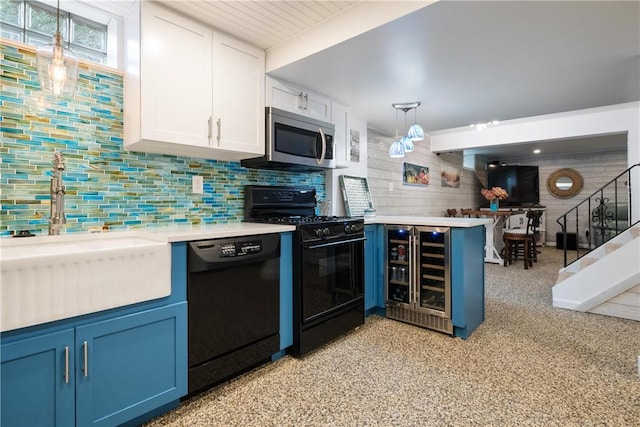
<point x="105" y="184"/>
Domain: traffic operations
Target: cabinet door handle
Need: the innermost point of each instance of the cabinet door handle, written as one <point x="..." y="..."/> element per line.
<point x="85" y="346"/>
<point x="416" y="271"/>
<point x="306" y="102"/>
<point x="66" y="365"/>
<point x="209" y="128"/>
<point x="219" y="123"/>
<point x="301" y="104"/>
<point x="412" y="263"/>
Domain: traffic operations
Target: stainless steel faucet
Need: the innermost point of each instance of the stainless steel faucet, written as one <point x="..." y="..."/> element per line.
<point x="57" y="218"/>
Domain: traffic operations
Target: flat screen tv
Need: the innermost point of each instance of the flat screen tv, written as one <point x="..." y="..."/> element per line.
<point x="521" y="182"/>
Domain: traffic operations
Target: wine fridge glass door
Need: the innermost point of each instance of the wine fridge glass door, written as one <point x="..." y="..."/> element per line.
<point x="433" y="277"/>
<point x="398" y="276"/>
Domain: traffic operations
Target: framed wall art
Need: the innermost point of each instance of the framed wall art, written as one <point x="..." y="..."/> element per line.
<point x="415" y="174"/>
<point x="449" y="176"/>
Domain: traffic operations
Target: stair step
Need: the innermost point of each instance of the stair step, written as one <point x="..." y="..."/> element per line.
<point x="587" y="261"/>
<point x="610" y="247"/>
<point x="563" y="275"/>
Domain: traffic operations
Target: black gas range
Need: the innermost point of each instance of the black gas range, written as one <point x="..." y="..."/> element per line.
<point x="297" y="206"/>
<point x="328" y="263"/>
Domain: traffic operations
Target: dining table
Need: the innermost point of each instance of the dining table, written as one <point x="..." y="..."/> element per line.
<point x="493" y="239"/>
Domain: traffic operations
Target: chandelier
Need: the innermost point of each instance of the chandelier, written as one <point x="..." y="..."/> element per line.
<point x="415" y="133"/>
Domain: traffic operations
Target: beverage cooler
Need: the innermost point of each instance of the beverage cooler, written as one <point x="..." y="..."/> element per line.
<point x="418" y="277"/>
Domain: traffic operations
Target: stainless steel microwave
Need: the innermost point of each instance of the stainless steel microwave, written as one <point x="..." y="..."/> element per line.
<point x="295" y="142"/>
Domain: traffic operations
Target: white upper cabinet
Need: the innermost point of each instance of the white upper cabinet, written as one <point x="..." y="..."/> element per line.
<point x="340" y="118"/>
<point x="238" y="95"/>
<point x="175" y="98"/>
<point x="188" y="90"/>
<point x="289" y="97"/>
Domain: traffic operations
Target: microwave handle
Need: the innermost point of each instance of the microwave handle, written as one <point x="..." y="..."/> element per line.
<point x="324" y="147"/>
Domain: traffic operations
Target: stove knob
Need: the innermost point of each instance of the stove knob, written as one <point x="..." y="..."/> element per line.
<point x="318" y="232"/>
<point x="326" y="231"/>
<point x="353" y="228"/>
<point x="347" y="229"/>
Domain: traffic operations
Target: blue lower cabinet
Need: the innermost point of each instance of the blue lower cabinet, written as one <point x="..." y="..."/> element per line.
<point x="467" y="279"/>
<point x="286" y="292"/>
<point x="37" y="388"/>
<point x="103" y="373"/>
<point x="370" y="267"/>
<point x="130" y="365"/>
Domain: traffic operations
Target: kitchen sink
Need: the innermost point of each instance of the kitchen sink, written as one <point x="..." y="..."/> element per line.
<point x="57" y="277"/>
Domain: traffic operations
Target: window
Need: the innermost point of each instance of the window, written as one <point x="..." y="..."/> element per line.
<point x="35" y="23"/>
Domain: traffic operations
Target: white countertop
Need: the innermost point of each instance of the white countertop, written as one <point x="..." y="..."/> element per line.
<point x="185" y="233"/>
<point x="171" y="233"/>
<point x="215" y="231"/>
<point x="435" y="221"/>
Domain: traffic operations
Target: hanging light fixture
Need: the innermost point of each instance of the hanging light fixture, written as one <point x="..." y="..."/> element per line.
<point x="397" y="147"/>
<point x="406" y="144"/>
<point x="57" y="67"/>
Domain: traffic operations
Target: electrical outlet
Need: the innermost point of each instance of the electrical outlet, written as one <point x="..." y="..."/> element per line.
<point x="197" y="184"/>
<point x="391" y="186"/>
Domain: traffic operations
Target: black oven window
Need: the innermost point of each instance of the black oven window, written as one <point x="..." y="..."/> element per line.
<point x="330" y="279"/>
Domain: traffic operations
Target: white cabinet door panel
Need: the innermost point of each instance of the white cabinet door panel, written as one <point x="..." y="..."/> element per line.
<point x="176" y="87"/>
<point x="318" y="107"/>
<point x="288" y="97"/>
<point x="238" y="93"/>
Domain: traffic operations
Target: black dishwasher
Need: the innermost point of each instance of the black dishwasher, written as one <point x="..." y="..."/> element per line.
<point x="233" y="294"/>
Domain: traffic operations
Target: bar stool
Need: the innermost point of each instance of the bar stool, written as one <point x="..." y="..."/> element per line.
<point x="452" y="212"/>
<point x="522" y="241"/>
<point x="512" y="242"/>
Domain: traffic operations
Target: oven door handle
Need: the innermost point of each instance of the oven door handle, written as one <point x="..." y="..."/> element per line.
<point x="339" y="242"/>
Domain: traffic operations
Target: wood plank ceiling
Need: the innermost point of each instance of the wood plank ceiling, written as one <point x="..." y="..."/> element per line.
<point x="262" y="23"/>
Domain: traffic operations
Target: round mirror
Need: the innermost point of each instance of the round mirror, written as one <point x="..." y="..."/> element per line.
<point x="565" y="183"/>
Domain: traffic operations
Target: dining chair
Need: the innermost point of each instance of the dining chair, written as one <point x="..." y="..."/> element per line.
<point x="467" y="212"/>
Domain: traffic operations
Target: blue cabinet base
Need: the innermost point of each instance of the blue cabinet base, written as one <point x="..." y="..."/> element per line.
<point x="152" y="414"/>
<point x="375" y="310"/>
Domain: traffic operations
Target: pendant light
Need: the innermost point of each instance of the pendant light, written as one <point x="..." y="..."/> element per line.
<point x="397" y="147"/>
<point x="416" y="133"/>
<point x="57" y="67"/>
<point x="407" y="143"/>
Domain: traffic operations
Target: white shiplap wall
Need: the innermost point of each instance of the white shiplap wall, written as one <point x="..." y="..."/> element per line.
<point x="432" y="200"/>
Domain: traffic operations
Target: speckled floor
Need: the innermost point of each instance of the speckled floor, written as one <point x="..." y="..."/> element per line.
<point x="528" y="364"/>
